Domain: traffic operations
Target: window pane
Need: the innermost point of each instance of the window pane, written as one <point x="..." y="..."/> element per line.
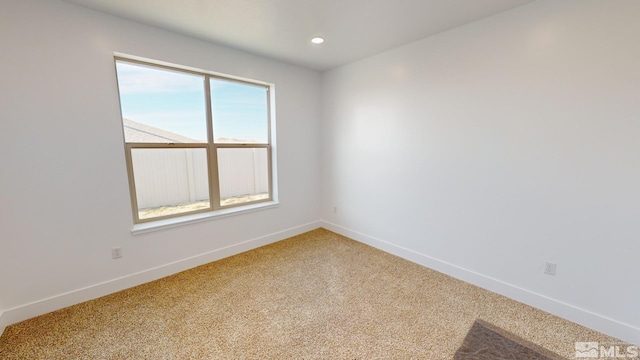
<point x="170" y="181"/>
<point x="160" y="105"/>
<point x="240" y="112"/>
<point x="244" y="175"/>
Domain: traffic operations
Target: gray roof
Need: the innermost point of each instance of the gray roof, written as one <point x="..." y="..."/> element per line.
<point x="136" y="132"/>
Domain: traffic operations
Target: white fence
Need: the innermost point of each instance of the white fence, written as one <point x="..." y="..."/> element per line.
<point x="177" y="176"/>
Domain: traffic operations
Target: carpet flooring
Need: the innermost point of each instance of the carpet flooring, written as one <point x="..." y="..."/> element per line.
<point x="314" y="296"/>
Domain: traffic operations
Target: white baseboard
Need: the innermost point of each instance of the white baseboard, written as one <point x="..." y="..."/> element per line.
<point x="603" y="324"/>
<point x="583" y="317"/>
<point x="27" y="311"/>
<point x="3" y="323"/>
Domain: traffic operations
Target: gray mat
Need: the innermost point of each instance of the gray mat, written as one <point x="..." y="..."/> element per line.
<point x="486" y="341"/>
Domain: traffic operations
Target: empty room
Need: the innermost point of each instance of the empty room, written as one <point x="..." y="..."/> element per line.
<point x="339" y="179"/>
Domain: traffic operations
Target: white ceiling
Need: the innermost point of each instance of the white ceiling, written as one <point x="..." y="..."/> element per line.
<point x="282" y="29"/>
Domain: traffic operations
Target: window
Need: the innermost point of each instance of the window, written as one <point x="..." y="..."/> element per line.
<point x="194" y="141"/>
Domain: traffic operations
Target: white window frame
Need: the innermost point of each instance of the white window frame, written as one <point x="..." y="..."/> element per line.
<point x="215" y="209"/>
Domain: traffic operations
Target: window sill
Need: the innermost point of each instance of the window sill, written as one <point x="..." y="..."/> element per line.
<point x="196" y="218"/>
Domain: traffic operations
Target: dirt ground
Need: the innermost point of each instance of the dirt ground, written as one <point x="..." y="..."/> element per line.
<point x="188" y="207"/>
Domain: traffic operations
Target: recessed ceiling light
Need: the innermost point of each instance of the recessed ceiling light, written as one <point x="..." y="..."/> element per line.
<point x="317" y="40"/>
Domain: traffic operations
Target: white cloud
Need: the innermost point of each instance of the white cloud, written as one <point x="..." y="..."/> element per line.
<point x="136" y="79"/>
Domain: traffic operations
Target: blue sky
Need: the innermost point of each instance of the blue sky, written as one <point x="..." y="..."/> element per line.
<point x="175" y="101"/>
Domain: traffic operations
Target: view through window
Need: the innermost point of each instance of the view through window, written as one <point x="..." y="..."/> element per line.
<point x="194" y="142"/>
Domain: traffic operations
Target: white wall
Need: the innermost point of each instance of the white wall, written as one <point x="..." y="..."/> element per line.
<point x="489" y="149"/>
<point x="64" y="196"/>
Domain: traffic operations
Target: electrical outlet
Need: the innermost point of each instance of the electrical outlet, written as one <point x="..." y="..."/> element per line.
<point x="116" y="252"/>
<point x="550" y="268"/>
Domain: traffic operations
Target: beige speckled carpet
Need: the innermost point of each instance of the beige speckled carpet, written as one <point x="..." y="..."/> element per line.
<point x="316" y="295"/>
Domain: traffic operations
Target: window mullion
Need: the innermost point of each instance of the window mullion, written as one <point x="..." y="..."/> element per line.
<point x="270" y="171"/>
<point x="132" y="183"/>
<point x="268" y="115"/>
<point x="214" y="182"/>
